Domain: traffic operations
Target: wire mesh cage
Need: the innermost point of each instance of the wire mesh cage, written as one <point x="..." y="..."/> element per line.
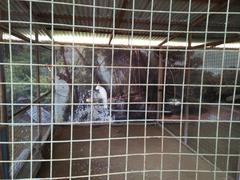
<point x="120" y="89"/>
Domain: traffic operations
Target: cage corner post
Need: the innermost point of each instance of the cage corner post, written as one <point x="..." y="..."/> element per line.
<point x="4" y="149"/>
<point x="186" y="111"/>
<point x="238" y="169"/>
<point x="160" y="86"/>
<point x="38" y="82"/>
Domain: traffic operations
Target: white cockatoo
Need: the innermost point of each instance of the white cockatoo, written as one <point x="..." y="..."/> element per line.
<point x="102" y="95"/>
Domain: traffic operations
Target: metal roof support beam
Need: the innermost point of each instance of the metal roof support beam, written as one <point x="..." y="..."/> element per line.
<point x="20" y="36"/>
<point x="218" y="42"/>
<point x="120" y="17"/>
<point x="187" y="93"/>
<point x="35" y="17"/>
<point x="14" y="33"/>
<point x="197" y="21"/>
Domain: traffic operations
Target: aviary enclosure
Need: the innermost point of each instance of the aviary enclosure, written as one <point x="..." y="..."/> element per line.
<point x="120" y="89"/>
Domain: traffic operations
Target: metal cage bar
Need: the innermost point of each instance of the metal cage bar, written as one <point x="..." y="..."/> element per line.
<point x="120" y="89"/>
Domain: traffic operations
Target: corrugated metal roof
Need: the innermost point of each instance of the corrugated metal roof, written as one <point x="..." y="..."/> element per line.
<point x="136" y="40"/>
<point x="84" y="20"/>
<point x="81" y="37"/>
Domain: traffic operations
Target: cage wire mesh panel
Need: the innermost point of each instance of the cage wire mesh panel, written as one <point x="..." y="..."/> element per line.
<point x="120" y="89"/>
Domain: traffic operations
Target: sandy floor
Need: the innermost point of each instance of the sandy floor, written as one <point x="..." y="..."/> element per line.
<point x="135" y="160"/>
<point x="209" y="135"/>
<point x="23" y="133"/>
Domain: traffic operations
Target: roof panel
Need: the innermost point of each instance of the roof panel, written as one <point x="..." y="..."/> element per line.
<point x="63" y="16"/>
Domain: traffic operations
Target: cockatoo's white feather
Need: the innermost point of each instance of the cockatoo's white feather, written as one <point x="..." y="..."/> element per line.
<point x="103" y="95"/>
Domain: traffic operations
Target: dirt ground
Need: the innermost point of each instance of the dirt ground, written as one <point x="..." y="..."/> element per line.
<point x="212" y="132"/>
<point x="119" y="158"/>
